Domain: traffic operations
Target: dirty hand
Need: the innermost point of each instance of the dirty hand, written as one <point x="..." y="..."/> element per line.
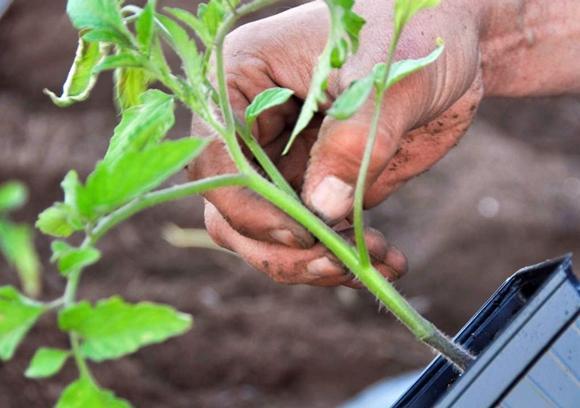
<point x="424" y="117"/>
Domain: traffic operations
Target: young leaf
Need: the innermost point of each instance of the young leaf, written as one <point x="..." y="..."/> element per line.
<point x="70" y="258"/>
<point x="12" y="195"/>
<point x="196" y="24"/>
<point x="111" y="185"/>
<point x="143" y="125"/>
<point x="265" y="100"/>
<point x="122" y="60"/>
<point x="145" y="27"/>
<point x="83" y="393"/>
<point x="113" y="328"/>
<point x="102" y="16"/>
<point x="17" y="316"/>
<point x="402" y="69"/>
<point x="81" y="78"/>
<point x="130" y="84"/>
<point x="17" y="244"/>
<point x="345" y="27"/>
<point x="46" y="362"/>
<point x="54" y="221"/>
<point x="406" y="9"/>
<point x="352" y="99"/>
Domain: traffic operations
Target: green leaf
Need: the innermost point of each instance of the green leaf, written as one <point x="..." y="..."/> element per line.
<point x="13" y="194"/>
<point x="81" y="79"/>
<point x="196" y="24"/>
<point x="83" y="393"/>
<point x="143" y="125"/>
<point x="130" y="84"/>
<point x="212" y="14"/>
<point x="54" y="221"/>
<point x="113" y="328"/>
<point x="46" y="362"/>
<point x="17" y="244"/>
<point x="345" y="27"/>
<point x="406" y="9"/>
<point x="265" y="100"/>
<point x="17" y="316"/>
<point x="70" y="258"/>
<point x="352" y="99"/>
<point x="102" y="16"/>
<point x="145" y="27"/>
<point x="402" y="69"/>
<point x="113" y="184"/>
<point x="123" y="60"/>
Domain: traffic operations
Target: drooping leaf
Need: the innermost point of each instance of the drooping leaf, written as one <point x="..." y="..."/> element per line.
<point x="142" y="126"/>
<point x="70" y="258"/>
<point x="145" y="27"/>
<point x="406" y="9"/>
<point x="81" y="79"/>
<point x="130" y="84"/>
<point x="46" y="362"/>
<point x="17" y="316"/>
<point x="113" y="184"/>
<point x="13" y="194"/>
<point x="83" y="393"/>
<point x="100" y="17"/>
<point x="17" y="245"/>
<point x="402" y="69"/>
<point x="113" y="328"/>
<point x="265" y="100"/>
<point x="123" y="60"/>
<point x="352" y="99"/>
<point x="345" y="27"/>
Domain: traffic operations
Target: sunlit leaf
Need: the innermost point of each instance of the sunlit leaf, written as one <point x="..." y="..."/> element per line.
<point x="406" y="9"/>
<point x="265" y="100"/>
<point x="70" y="258"/>
<point x="17" y="245"/>
<point x="83" y="393"/>
<point x="54" y="221"/>
<point x="17" y="316"/>
<point x="124" y="60"/>
<point x="352" y="98"/>
<point x="402" y="69"/>
<point x="145" y="26"/>
<point x="113" y="328"/>
<point x="46" y="362"/>
<point x="130" y="84"/>
<point x="13" y="194"/>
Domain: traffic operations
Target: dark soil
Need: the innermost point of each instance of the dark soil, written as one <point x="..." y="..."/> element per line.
<point x="256" y="343"/>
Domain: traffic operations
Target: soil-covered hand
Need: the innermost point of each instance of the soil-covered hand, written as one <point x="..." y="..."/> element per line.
<point x="424" y="117"/>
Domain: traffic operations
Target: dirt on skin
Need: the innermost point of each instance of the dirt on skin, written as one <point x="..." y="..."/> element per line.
<point x="507" y="196"/>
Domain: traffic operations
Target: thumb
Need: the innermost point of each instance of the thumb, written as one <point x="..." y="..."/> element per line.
<point x="336" y="158"/>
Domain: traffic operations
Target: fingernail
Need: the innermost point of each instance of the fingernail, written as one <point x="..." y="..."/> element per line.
<point x="322" y="267"/>
<point x="332" y="198"/>
<point x="287" y="238"/>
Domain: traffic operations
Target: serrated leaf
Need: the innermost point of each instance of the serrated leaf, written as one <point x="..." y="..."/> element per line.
<point x="113" y="328"/>
<point x="212" y="15"/>
<point x="83" y="393"/>
<point x="123" y="60"/>
<point x="345" y="27"/>
<point x="143" y="125"/>
<point x="17" y="316"/>
<point x="17" y="245"/>
<point x="70" y="258"/>
<point x="101" y="16"/>
<point x="406" y="9"/>
<point x="13" y="194"/>
<point x="352" y="99"/>
<point x="113" y="184"/>
<point x="265" y="100"/>
<point x="81" y="79"/>
<point x="54" y="221"/>
<point x="402" y="69"/>
<point x="46" y="362"/>
<point x="193" y="22"/>
<point x="145" y="26"/>
<point x="130" y="84"/>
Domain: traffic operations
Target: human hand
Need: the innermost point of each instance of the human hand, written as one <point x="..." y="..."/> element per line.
<point x="425" y="115"/>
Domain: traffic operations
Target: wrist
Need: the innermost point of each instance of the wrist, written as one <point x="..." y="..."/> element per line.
<point x="530" y="47"/>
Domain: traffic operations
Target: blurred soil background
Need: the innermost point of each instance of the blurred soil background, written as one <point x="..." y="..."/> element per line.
<point x="507" y="196"/>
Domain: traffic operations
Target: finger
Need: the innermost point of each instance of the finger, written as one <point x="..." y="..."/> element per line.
<point x="421" y="148"/>
<point x="314" y="266"/>
<point x="336" y="158"/>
